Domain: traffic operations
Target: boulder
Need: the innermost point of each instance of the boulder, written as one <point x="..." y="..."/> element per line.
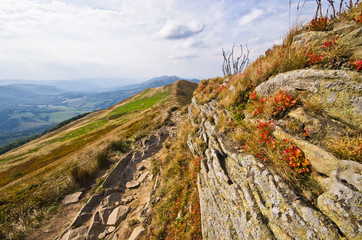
<point x="118" y="215"/>
<point x="132" y="184"/>
<point x="337" y="92"/>
<point x="137" y="232"/>
<point x="72" y="198"/>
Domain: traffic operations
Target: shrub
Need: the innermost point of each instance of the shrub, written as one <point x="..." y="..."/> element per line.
<point x="321" y="24"/>
<point x="296" y="160"/>
<point x="282" y="102"/>
<point x="356" y="64"/>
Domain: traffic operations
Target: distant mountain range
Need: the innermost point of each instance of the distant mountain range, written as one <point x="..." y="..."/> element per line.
<point x="94" y="85"/>
<point x="28" y="108"/>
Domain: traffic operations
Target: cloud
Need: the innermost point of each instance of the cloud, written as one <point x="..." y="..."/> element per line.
<point x="248" y="18"/>
<point x="52" y="39"/>
<point x="177" y="30"/>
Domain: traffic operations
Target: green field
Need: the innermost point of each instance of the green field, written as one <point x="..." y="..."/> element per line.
<point x="140" y="103"/>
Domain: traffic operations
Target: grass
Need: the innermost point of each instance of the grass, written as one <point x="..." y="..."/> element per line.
<point x="140" y="103"/>
<point x="177" y="214"/>
<point x="39" y="174"/>
<point x="82" y="131"/>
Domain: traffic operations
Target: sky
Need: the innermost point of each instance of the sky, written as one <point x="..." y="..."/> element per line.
<point x="136" y="39"/>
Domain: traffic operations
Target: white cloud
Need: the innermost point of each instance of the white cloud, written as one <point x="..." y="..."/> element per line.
<point x="178" y="30"/>
<point x="52" y="39"/>
<point x="253" y="15"/>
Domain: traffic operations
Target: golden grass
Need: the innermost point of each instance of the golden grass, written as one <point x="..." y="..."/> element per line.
<point x="32" y="181"/>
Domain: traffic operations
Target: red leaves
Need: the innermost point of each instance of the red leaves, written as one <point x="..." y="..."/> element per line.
<point x="329" y="43"/>
<point x="296" y="160"/>
<point x="315" y="58"/>
<point x="282" y="102"/>
<point x="357" y="64"/>
<point x="358" y="19"/>
<point x="187" y="204"/>
<point x="320" y="24"/>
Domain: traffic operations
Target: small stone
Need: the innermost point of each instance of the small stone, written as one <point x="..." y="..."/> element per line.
<point x="111" y="229"/>
<point x="127" y="199"/>
<point x="143" y="176"/>
<point x="102" y="235"/>
<point x="72" y="198"/>
<point x="132" y="184"/>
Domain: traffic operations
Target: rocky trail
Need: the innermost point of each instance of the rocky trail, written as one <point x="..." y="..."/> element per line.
<point x="121" y="207"/>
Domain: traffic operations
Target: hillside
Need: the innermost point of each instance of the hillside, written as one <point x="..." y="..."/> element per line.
<point x="37" y="174"/>
<point x="30" y="109"/>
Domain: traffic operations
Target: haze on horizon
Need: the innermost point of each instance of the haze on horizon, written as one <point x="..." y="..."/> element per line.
<point x="139" y="39"/>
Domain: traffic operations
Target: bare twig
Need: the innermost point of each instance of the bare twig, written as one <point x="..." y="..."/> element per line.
<point x="232" y="66"/>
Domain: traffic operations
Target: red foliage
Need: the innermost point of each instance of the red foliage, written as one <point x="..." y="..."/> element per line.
<point x="358" y="19"/>
<point x="329" y="43"/>
<point x="296" y="160"/>
<point x="320" y="24"/>
<point x="189" y="206"/>
<point x="357" y="64"/>
<point x="282" y="102"/>
<point x="315" y="58"/>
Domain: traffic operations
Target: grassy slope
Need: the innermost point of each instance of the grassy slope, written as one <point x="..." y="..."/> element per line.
<point x="36" y="175"/>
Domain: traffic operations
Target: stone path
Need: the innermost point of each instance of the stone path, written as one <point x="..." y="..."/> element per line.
<point x="121" y="209"/>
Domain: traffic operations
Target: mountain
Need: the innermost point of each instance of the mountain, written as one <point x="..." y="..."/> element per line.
<point x="29" y="89"/>
<point x="28" y="109"/>
<point x="157" y="82"/>
<point x="97" y="85"/>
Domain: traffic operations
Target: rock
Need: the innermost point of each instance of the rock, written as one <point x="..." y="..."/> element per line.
<point x="112" y="199"/>
<point x="79" y="233"/>
<point x="111" y="229"/>
<point x="143" y="176"/>
<point x="337" y="92"/>
<point x="242" y="198"/>
<point x="96" y="227"/>
<point x="118" y="215"/>
<point x="102" y="235"/>
<point x="132" y="184"/>
<point x="72" y="198"/>
<point x="104" y="214"/>
<point x="136" y="233"/>
<point x="117" y="171"/>
<point x="127" y="199"/>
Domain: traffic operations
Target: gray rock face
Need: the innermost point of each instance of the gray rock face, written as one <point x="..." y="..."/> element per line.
<point x="338" y="92"/>
<point x="241" y="198"/>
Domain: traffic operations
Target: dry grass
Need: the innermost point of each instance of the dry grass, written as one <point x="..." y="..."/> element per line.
<point x="70" y="158"/>
<point x="177" y="215"/>
<point x="346" y="147"/>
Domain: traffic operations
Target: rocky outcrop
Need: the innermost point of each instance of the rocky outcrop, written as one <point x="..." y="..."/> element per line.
<point x="242" y="198"/>
<point x="103" y="213"/>
<point x="339" y="93"/>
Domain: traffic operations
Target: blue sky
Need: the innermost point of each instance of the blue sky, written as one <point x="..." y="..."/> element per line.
<point x="135" y="39"/>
